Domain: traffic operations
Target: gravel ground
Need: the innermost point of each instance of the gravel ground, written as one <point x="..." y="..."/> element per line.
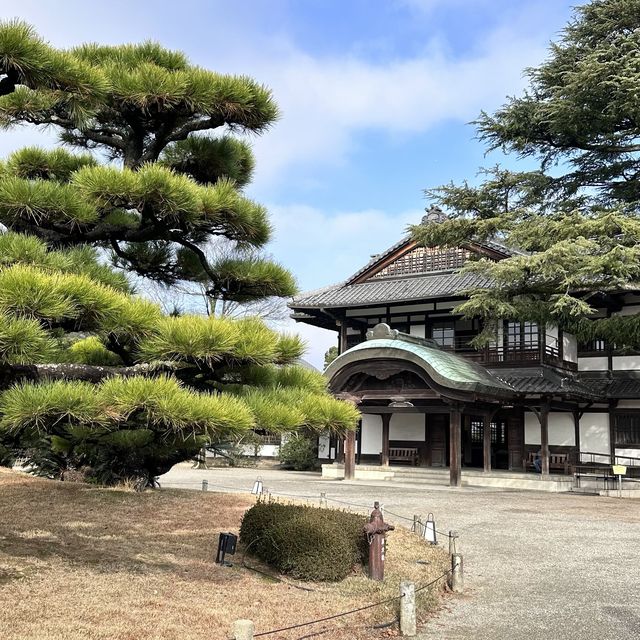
<point x="537" y="565"/>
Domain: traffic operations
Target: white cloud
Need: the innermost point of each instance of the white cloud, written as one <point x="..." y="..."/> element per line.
<point x="326" y="102"/>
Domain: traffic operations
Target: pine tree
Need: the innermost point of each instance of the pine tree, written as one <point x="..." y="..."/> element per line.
<point x="576" y="218"/>
<point x="96" y="377"/>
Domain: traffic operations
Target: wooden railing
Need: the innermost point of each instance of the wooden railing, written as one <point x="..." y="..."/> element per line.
<point x="506" y="354"/>
<point x="591" y="457"/>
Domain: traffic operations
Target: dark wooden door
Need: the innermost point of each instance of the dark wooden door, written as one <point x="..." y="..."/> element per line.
<point x="438" y="439"/>
<point x="515" y="439"/>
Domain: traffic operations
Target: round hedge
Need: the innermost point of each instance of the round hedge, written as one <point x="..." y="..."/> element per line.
<point x="305" y="542"/>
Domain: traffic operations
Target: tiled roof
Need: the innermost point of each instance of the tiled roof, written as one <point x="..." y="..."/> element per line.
<point x="389" y="291"/>
<point x="543" y="380"/>
<point x="446" y="369"/>
<point x="618" y="387"/>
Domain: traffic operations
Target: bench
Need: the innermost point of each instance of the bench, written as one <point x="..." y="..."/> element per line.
<point x="557" y="461"/>
<point x="404" y="454"/>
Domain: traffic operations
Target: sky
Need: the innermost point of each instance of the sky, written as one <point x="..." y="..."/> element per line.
<point x="376" y="99"/>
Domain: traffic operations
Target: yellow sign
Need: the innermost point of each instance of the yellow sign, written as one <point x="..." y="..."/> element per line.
<point x="619" y="469"/>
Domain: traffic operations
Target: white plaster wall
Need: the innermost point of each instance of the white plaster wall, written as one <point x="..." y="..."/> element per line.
<point x="570" y="347"/>
<point x="631" y="453"/>
<point x="265" y="451"/>
<point x="429" y="306"/>
<point x="592" y="364"/>
<point x="323" y="446"/>
<point x="371" y="434"/>
<point x="561" y="429"/>
<point x="594" y="433"/>
<point x="552" y="330"/>
<point x="407" y="426"/>
<point x="352" y="332"/>
<point x="628" y="404"/>
<point x="626" y="363"/>
<point x="531" y="428"/>
<point x="378" y="311"/>
<point x="417" y="330"/>
<point x="446" y="305"/>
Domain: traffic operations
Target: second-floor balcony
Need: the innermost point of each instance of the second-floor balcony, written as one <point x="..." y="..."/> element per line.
<point x="542" y="349"/>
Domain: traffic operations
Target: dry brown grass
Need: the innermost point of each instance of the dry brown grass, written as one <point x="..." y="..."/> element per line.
<point x="82" y="563"/>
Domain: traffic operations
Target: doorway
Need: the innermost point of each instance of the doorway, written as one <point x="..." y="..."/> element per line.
<point x="473" y="438"/>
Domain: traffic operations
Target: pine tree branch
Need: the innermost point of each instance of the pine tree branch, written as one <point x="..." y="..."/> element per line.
<point x="181" y="133"/>
<point x="86" y="372"/>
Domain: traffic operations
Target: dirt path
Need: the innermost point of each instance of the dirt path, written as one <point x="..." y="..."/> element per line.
<point x="537" y="566"/>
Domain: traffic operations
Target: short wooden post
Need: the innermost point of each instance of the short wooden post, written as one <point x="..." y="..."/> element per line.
<point x="457" y="573"/>
<point x="242" y="630"/>
<point x="205" y="485"/>
<point x="416" y="525"/>
<point x="452" y="542"/>
<point x="407" y="609"/>
<point x="323" y="500"/>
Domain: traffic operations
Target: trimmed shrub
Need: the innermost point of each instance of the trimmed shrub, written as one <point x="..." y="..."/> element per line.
<point x="298" y="453"/>
<point x="305" y="542"/>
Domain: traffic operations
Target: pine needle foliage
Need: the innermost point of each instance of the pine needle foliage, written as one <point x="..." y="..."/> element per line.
<point x="97" y="379"/>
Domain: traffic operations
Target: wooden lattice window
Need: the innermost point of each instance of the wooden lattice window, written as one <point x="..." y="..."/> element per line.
<point x="522" y="336"/>
<point x="425" y="260"/>
<point x="627" y="429"/>
<point x="444" y="335"/>
<point x="498" y="432"/>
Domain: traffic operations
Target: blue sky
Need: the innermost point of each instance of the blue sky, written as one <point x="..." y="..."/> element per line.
<point x="375" y="98"/>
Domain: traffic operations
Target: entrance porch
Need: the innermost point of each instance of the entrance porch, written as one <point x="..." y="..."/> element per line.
<point x="434" y="477"/>
<point x="427" y="407"/>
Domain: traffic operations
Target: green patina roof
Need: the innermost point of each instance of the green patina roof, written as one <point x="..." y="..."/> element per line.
<point x="445" y="369"/>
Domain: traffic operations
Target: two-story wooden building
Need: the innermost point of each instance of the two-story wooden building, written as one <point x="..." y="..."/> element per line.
<point x="422" y="388"/>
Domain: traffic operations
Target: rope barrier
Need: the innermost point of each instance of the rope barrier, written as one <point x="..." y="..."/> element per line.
<point x="337" y="615"/>
<point x="352" y="611"/>
<point x="307" y="497"/>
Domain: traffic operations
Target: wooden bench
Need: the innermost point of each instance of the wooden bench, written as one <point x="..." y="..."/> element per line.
<point x="404" y="454"/>
<point x="557" y="461"/>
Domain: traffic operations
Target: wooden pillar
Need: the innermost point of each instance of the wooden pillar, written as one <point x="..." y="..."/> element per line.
<point x="576" y="427"/>
<point x="486" y="442"/>
<point x="339" y="450"/>
<point x="544" y="437"/>
<point x="612" y="432"/>
<point x="350" y="455"/>
<point x="342" y="342"/>
<point x="455" y="448"/>
<point x="384" y="456"/>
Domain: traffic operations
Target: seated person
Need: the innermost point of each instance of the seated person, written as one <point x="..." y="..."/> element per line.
<point x="537" y="461"/>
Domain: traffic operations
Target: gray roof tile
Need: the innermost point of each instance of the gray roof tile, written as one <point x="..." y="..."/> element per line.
<point x="391" y="290"/>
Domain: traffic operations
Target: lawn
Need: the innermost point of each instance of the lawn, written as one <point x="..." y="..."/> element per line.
<point x="80" y="562"/>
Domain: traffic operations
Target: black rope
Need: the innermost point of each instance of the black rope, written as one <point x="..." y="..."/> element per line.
<point x="347" y="613"/>
<point x="307" y="497"/>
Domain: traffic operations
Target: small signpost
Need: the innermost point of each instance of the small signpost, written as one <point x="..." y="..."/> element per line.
<point x="619" y="470"/>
